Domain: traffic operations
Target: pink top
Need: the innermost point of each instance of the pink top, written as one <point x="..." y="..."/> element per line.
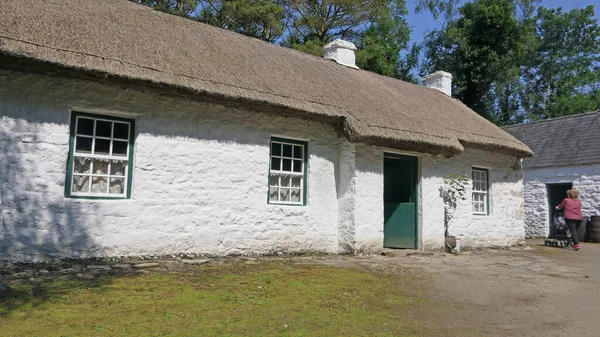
<point x="572" y="208"/>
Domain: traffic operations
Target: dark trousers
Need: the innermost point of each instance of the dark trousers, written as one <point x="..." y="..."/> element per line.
<point x="574" y="228"/>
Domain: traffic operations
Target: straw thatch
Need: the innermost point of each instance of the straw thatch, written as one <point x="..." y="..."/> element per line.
<point x="119" y="40"/>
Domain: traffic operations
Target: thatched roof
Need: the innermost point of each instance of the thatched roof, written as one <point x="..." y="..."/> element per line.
<point x="563" y="141"/>
<point x="117" y="40"/>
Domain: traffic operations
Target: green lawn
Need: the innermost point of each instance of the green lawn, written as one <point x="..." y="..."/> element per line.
<point x="264" y="299"/>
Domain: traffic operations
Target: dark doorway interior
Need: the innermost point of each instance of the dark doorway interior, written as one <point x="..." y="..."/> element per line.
<point x="556" y="194"/>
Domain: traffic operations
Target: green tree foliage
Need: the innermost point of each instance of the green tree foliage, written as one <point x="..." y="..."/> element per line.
<point x="377" y="27"/>
<point x="480" y="48"/>
<point x="514" y="61"/>
<point x="261" y="19"/>
<point x="184" y="8"/>
<point x="562" y="75"/>
<point x="317" y="22"/>
<point x="380" y="46"/>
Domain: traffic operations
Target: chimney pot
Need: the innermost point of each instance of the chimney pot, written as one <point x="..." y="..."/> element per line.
<point x="440" y="80"/>
<point x="341" y="52"/>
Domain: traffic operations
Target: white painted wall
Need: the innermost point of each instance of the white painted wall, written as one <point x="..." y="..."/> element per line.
<point x="200" y="182"/>
<point x="504" y="224"/>
<point x="585" y="178"/>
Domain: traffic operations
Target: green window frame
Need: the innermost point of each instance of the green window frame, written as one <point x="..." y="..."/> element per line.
<point x="288" y="163"/>
<point x="480" y="198"/>
<point x="100" y="163"/>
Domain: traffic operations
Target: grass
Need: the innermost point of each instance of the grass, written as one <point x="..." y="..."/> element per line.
<point x="265" y="299"/>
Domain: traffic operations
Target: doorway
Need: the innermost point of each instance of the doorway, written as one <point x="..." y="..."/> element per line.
<point x="400" y="198"/>
<point x="556" y="194"/>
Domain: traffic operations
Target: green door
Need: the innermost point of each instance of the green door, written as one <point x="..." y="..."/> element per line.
<point x="400" y="201"/>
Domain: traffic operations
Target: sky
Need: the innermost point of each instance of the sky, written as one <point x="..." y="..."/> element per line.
<point x="421" y="23"/>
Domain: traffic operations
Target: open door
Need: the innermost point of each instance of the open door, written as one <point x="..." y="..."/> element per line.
<point x="400" y="186"/>
<point x="556" y="194"/>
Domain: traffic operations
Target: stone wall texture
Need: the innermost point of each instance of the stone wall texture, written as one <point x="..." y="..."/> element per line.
<point x="200" y="182"/>
<point x="537" y="211"/>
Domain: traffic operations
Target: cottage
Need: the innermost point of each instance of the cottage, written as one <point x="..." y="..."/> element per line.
<point x="567" y="155"/>
<point x="126" y="131"/>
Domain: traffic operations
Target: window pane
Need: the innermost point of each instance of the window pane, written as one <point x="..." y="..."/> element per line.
<point x="103" y="128"/>
<point x="287" y="150"/>
<point x="274" y="194"/>
<point x="121" y="131"/>
<point x="276" y="164"/>
<point x="287" y="165"/>
<point x="117" y="185"/>
<point x="297" y="165"/>
<point x="284" y="194"/>
<point x="117" y="167"/>
<point x="296" y="182"/>
<point x="295" y="197"/>
<point x="83" y="145"/>
<point x="119" y="148"/>
<point x="298" y="151"/>
<point x="275" y="149"/>
<point x="80" y="184"/>
<point x="102" y="146"/>
<point x="274" y="180"/>
<point x="85" y="126"/>
<point x="81" y="165"/>
<point x="99" y="185"/>
<point x="100" y="166"/>
<point x="285" y="181"/>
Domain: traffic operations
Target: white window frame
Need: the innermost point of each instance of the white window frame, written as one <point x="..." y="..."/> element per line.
<point x="74" y="155"/>
<point x="280" y="173"/>
<point x="476" y="173"/>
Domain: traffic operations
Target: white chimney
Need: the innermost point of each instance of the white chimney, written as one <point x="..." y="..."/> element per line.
<point x="341" y="52"/>
<point x="440" y="80"/>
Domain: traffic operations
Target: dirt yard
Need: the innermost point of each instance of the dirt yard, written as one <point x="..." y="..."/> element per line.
<point x="520" y="292"/>
<point x="532" y="291"/>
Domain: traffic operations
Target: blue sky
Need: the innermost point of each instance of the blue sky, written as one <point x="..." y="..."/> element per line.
<point x="421" y="23"/>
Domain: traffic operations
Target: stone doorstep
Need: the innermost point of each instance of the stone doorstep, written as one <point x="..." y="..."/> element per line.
<point x="195" y="262"/>
<point x="99" y="267"/>
<point x="146" y="265"/>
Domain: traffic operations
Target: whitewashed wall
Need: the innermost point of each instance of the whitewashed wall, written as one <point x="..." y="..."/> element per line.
<point x="200" y="182"/>
<point x="504" y="226"/>
<point x="585" y="178"/>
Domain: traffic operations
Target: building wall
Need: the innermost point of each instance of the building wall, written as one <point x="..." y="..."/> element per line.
<point x="200" y="182"/>
<point x="504" y="224"/>
<point x="585" y="178"/>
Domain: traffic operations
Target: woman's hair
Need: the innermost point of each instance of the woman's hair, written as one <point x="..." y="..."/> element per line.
<point x="573" y="194"/>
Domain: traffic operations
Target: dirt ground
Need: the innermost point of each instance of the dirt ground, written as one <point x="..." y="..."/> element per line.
<point x="537" y="291"/>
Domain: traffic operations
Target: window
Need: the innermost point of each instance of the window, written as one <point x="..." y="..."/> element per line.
<point x="480" y="191"/>
<point x="100" y="157"/>
<point x="287" y="174"/>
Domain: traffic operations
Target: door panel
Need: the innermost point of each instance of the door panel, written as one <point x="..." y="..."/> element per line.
<point x="400" y="202"/>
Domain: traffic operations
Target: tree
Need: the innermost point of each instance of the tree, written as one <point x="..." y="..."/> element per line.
<point x="184" y="8"/>
<point x="562" y="75"/>
<point x="380" y="46"/>
<point x="480" y="47"/>
<point x="261" y="19"/>
<point x="314" y="23"/>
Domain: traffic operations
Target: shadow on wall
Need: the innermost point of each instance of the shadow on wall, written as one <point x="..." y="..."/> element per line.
<point x="36" y="222"/>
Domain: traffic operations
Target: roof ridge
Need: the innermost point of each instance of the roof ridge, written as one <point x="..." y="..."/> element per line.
<point x="553" y="119"/>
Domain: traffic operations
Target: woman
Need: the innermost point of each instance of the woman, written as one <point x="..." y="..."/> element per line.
<point x="573" y="216"/>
